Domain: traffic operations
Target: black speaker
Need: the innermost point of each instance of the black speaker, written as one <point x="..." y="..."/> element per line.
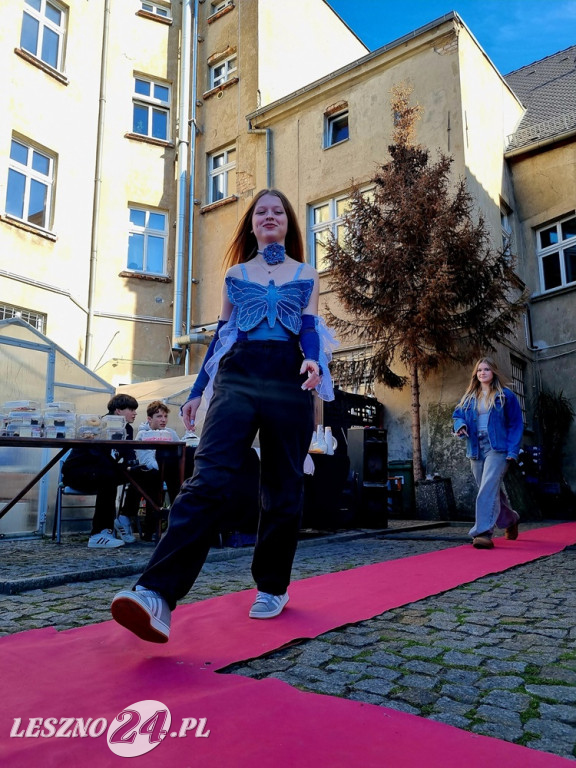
<point x="368" y="454"/>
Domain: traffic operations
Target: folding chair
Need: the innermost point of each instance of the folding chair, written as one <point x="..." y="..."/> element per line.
<point x="66" y="490"/>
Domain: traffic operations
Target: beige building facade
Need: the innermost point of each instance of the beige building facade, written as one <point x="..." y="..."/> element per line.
<point x="134" y="135"/>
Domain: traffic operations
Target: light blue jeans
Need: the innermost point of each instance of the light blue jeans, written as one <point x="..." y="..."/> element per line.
<point x="492" y="505"/>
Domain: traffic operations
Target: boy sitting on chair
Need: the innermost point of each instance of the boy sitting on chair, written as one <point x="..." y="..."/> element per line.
<point x="154" y="428"/>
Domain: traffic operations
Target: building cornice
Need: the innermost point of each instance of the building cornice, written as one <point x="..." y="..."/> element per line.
<point x="348" y="75"/>
<point x="541" y="144"/>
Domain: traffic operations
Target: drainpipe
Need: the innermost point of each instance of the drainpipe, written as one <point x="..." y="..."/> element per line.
<point x="195" y="338"/>
<point x="268" y="132"/>
<point x="528" y="329"/>
<point x="97" y="185"/>
<point x="201" y="335"/>
<point x="194" y="130"/>
<point x="182" y="172"/>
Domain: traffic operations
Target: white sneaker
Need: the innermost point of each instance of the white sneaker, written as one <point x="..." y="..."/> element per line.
<point x="144" y="612"/>
<point x="123" y="529"/>
<point x="266" y="606"/>
<point x="104" y="540"/>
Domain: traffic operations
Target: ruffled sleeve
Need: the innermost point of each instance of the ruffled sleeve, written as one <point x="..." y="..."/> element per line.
<point x="226" y="339"/>
<point x="328" y="343"/>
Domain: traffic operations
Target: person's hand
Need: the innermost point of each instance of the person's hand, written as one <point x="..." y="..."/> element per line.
<point x="510" y="459"/>
<point x="188" y="412"/>
<point x="462" y="432"/>
<point x="312" y="369"/>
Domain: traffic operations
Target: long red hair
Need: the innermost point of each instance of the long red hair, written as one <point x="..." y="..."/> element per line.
<point x="244" y="246"/>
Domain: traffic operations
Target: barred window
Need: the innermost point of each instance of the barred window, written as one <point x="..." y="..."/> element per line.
<point x="351" y="370"/>
<point x="35" y="319"/>
<point x="518" y="384"/>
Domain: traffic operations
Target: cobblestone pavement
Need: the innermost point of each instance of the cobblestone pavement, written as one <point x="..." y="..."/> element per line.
<point x="495" y="657"/>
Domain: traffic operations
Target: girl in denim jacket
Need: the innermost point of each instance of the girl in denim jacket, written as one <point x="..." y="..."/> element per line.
<point x="489" y="416"/>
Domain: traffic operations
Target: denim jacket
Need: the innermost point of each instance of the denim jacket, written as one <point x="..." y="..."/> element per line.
<point x="505" y="425"/>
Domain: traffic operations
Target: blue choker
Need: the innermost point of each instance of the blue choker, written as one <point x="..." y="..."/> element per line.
<point x="273" y="254"/>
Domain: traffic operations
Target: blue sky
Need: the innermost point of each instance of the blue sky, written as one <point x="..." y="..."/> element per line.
<point x="512" y="32"/>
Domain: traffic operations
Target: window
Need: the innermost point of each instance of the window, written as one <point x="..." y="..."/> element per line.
<point x="518" y="378"/>
<point x="36" y="319"/>
<point x="217" y="6"/>
<point x="30" y="184"/>
<point x="221" y="175"/>
<point x="506" y="227"/>
<point x="335" y="128"/>
<point x="222" y="72"/>
<point x="147" y="241"/>
<point x="352" y="370"/>
<point x="325" y="219"/>
<point x="151" y="109"/>
<point x="158" y="9"/>
<point x="556" y="249"/>
<point x="42" y="32"/>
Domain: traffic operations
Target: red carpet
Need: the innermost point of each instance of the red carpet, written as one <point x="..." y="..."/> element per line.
<point x="100" y="670"/>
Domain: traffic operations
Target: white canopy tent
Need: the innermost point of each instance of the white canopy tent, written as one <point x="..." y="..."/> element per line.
<point x="32" y="367"/>
<point x="173" y="391"/>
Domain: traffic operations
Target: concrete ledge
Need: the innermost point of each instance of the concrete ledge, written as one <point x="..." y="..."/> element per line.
<point x="69" y="575"/>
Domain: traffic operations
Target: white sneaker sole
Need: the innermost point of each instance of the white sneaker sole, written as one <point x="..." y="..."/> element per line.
<point x="255" y="614"/>
<point x="132" y="614"/>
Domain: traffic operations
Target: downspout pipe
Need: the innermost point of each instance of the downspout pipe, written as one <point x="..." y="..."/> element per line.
<point x="268" y="132"/>
<point x="528" y="329"/>
<point x="195" y="338"/>
<point x="193" y="131"/>
<point x="97" y="185"/>
<point x="182" y="144"/>
<point x="201" y="335"/>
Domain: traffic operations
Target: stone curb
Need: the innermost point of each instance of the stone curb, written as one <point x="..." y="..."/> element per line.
<point x="26" y="583"/>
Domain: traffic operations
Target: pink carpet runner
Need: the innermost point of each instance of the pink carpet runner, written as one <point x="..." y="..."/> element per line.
<point x="92" y="674"/>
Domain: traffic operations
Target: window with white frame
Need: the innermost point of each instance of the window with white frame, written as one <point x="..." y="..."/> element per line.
<point x="147" y="241"/>
<point x="518" y="383"/>
<point x="158" y="9"/>
<point x="151" y="114"/>
<point x="35" y="319"/>
<point x="29" y="190"/>
<point x="221" y="174"/>
<point x="335" y="128"/>
<point x="223" y="71"/>
<point x="42" y="33"/>
<point x="325" y="219"/>
<point x="556" y="249"/>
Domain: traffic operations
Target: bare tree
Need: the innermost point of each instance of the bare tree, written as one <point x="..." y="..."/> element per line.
<point x="416" y="277"/>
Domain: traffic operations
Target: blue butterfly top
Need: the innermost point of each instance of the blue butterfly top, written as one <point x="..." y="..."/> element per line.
<point x="256" y="303"/>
